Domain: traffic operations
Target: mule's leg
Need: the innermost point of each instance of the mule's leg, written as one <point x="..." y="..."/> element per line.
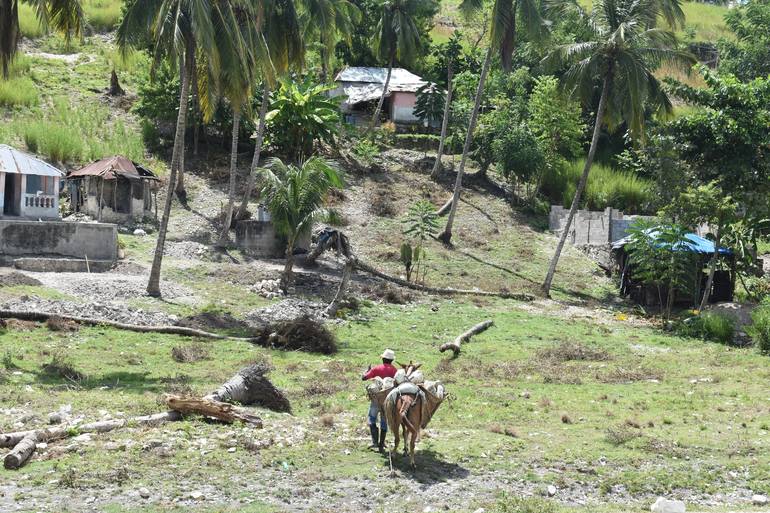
<point x="395" y="437"/>
<point x="412" y="440"/>
<point x="406" y="438"/>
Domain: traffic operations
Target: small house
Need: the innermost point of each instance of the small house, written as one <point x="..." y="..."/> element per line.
<point x="363" y="87"/>
<point x="29" y="187"/>
<point x="702" y="250"/>
<point x="113" y="190"/>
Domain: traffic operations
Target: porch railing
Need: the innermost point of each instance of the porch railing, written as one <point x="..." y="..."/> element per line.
<point x="39" y="201"/>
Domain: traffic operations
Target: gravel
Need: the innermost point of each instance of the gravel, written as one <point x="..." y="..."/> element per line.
<point x="106" y="287"/>
<point x="117" y="313"/>
<point x="286" y="310"/>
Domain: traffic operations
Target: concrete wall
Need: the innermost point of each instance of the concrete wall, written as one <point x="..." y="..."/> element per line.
<point x="32" y="205"/>
<point x="97" y="241"/>
<point x="592" y="227"/>
<point x="402" y="107"/>
<point x="258" y="238"/>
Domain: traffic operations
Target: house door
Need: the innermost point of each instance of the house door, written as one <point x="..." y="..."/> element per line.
<point x="12" y="195"/>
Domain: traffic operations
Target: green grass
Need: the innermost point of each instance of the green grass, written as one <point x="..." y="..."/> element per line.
<point x="18" y="92"/>
<point x="103" y="15"/>
<point x="704" y="22"/>
<point x="691" y="405"/>
<point x="28" y="22"/>
<point x="607" y="187"/>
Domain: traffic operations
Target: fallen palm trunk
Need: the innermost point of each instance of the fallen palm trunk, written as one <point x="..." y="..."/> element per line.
<point x="24" y="443"/>
<point x="441" y="291"/>
<point x="171" y="330"/>
<point x="250" y="386"/>
<point x="225" y="412"/>
<point x="465" y="337"/>
<point x="331" y="310"/>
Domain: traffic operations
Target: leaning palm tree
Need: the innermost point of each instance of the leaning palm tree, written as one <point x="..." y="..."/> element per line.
<point x="294" y="196"/>
<point x="622" y="58"/>
<point x="279" y="38"/>
<point x="503" y="32"/>
<point x="453" y="49"/>
<point x="328" y="21"/>
<point x="396" y="37"/>
<point x="177" y="29"/>
<point x="66" y="16"/>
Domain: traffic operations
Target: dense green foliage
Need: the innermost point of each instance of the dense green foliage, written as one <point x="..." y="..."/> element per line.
<point x="748" y="57"/>
<point x="760" y="328"/>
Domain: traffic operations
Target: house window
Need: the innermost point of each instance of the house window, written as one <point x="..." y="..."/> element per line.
<point x="36" y="183"/>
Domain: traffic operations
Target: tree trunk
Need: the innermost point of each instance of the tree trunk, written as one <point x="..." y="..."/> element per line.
<point x="257" y="151"/>
<point x="465" y="337"/>
<point x="546" y="288"/>
<point x="376" y="115"/>
<point x="446" y="235"/>
<point x="508" y="42"/>
<point x="331" y="310"/>
<point x="115" y="89"/>
<point x="288" y="278"/>
<point x="153" y="287"/>
<point x="196" y="102"/>
<point x="21" y="453"/>
<point x="712" y="269"/>
<point x="444" y="123"/>
<point x="181" y="193"/>
<point x="250" y="386"/>
<point x="223" y="236"/>
<point x="324" y="54"/>
<point x="225" y="412"/>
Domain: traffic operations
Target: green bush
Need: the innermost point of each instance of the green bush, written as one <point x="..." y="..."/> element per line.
<point x="760" y="328"/>
<point x="606" y="187"/>
<point x="103" y="15"/>
<point x="28" y="23"/>
<point x="17" y="92"/>
<point x="713" y="326"/>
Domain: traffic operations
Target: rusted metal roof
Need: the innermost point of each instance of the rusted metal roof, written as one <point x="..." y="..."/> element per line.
<point x="18" y="162"/>
<point x="111" y="168"/>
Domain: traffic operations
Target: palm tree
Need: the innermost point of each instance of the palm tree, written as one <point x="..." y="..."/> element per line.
<point x="239" y="62"/>
<point x="396" y="37"/>
<point x="294" y="196"/>
<point x="328" y="21"/>
<point x="453" y="49"/>
<point x="623" y="56"/>
<point x="65" y="16"/>
<point x="502" y="34"/>
<point x="178" y="29"/>
<point x="280" y="39"/>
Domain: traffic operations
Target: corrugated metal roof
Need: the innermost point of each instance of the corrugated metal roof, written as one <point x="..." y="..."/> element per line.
<point x="15" y="161"/>
<point x="111" y="167"/>
<point x="399" y="76"/>
<point x="694" y="243"/>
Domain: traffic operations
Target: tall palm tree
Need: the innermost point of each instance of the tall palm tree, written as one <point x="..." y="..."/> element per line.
<point x="453" y="49"/>
<point x="396" y="37"/>
<point x="280" y="37"/>
<point x="503" y="33"/>
<point x="294" y="196"/>
<point x="65" y="16"/>
<point x="178" y="29"/>
<point x="239" y="62"/>
<point x="626" y="50"/>
<point x="328" y="21"/>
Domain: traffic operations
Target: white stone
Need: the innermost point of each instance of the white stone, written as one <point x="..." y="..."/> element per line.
<point x="231" y="449"/>
<point x="144" y="493"/>
<point x="140" y="232"/>
<point x="84" y="438"/>
<point x="663" y="505"/>
<point x="759" y="500"/>
<point x="551" y="490"/>
<point x="197" y="495"/>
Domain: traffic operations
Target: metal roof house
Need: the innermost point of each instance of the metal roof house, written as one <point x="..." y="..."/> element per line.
<point x="29" y="187"/>
<point x="114" y="189"/>
<point x="363" y="89"/>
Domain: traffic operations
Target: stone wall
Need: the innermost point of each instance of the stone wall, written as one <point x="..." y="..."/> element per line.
<point x="95" y="241"/>
<point x="258" y="238"/>
<point x="592" y="227"/>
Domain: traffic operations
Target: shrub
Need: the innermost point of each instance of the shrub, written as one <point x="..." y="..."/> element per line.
<point x="760" y="328"/>
<point x="366" y="150"/>
<point x="102" y="15"/>
<point x="714" y="326"/>
<point x="28" y="23"/>
<point x="607" y="187"/>
<point x="18" y="92"/>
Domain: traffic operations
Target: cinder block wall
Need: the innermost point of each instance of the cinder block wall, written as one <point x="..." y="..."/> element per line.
<point x="97" y="241"/>
<point x="592" y="227"/>
<point x="258" y="238"/>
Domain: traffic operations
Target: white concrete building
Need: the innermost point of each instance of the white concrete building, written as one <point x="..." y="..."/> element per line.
<point x="29" y="187"/>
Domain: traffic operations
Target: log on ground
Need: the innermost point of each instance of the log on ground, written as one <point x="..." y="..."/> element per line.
<point x="465" y="337"/>
<point x="250" y="386"/>
<point x="209" y="408"/>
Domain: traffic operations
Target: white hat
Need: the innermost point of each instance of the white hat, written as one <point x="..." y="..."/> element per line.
<point x="388" y="354"/>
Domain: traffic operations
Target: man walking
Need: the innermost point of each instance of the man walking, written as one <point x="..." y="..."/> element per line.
<point x="385" y="370"/>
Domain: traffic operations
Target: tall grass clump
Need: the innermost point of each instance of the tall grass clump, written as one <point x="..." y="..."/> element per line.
<point x="102" y="15"/>
<point x="714" y="326"/>
<point x="18" y="92"/>
<point x="82" y="133"/>
<point x="29" y="25"/>
<point x="760" y="328"/>
<point x="607" y="187"/>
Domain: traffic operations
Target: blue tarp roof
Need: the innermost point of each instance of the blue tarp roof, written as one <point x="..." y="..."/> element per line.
<point x="695" y="243"/>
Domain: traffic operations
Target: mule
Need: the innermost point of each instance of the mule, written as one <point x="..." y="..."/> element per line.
<point x="408" y="417"/>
